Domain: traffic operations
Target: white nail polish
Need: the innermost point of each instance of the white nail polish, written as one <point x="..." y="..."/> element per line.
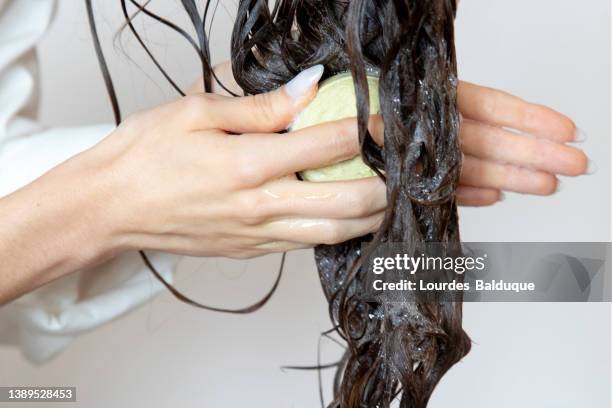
<point x="580" y="136"/>
<point x="299" y="86"/>
<point x="591" y="167"/>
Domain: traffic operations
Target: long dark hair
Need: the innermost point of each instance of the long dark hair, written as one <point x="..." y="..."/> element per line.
<point x="397" y="348"/>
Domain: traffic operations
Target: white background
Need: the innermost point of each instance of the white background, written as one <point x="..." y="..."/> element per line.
<point x="555" y="52"/>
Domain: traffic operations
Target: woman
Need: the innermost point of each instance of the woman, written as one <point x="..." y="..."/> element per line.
<point x="226" y="186"/>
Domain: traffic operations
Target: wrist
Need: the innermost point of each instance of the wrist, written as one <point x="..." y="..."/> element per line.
<point x="102" y="210"/>
<point x="58" y="224"/>
<point x="119" y="195"/>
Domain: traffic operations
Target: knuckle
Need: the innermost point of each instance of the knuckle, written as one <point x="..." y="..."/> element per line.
<point x="248" y="172"/>
<point x="533" y="152"/>
<point x="250" y="209"/>
<point x="332" y="233"/>
<point x="510" y="175"/>
<point x="358" y="205"/>
<point x="528" y="114"/>
<point x="270" y="111"/>
<point x="376" y="223"/>
<point x="489" y="103"/>
<point x="344" y="139"/>
<point x="196" y="105"/>
<point x="136" y="120"/>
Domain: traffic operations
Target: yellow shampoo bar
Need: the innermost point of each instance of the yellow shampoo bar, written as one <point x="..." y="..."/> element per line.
<point x="336" y="100"/>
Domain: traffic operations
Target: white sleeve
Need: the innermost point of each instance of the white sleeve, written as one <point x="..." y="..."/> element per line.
<point x="44" y="322"/>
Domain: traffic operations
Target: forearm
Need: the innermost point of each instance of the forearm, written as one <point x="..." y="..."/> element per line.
<point x="60" y="223"/>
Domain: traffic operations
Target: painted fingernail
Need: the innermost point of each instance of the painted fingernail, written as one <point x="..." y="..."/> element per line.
<point x="580" y="136"/>
<point x="559" y="186"/>
<point x="502" y="197"/>
<point x="591" y="167"/>
<point x="299" y="86"/>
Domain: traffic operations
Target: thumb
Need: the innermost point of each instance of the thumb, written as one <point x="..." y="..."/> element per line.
<point x="267" y="112"/>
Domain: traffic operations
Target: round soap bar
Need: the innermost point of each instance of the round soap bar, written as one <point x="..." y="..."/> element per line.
<point x="335" y="100"/>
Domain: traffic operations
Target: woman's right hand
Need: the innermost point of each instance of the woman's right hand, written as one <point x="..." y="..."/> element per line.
<point x="208" y="175"/>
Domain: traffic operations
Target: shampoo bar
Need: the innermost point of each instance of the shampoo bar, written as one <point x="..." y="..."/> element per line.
<point x="336" y="100"/>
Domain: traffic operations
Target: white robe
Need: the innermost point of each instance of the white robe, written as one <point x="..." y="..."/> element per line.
<point x="44" y="322"/>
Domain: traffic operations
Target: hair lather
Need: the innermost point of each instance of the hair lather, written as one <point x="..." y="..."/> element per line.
<point x="398" y="346"/>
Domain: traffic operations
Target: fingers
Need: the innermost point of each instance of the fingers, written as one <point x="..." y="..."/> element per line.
<point x="502" y="109"/>
<point x="281" y="246"/>
<point x="267" y="112"/>
<point x="487" y="174"/>
<point x="496" y="144"/>
<point x="478" y="197"/>
<point x="267" y="157"/>
<point x="301" y="199"/>
<point x="259" y="158"/>
<point x="320" y="231"/>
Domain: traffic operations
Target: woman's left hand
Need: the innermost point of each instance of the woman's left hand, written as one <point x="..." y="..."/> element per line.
<point x="508" y="144"/>
<point x="499" y="158"/>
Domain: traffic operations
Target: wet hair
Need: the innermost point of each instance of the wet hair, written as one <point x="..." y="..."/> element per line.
<point x="398" y="346"/>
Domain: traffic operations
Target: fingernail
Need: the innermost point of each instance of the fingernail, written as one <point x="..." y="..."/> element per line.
<point x="502" y="197"/>
<point x="591" y="167"/>
<point x="559" y="186"/>
<point x="299" y="86"/>
<point x="580" y="136"/>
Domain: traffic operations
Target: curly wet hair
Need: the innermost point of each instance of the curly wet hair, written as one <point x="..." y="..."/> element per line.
<point x="398" y="346"/>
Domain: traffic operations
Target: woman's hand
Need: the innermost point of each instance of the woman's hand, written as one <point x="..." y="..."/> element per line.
<point x="499" y="159"/>
<point x="208" y="175"/>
